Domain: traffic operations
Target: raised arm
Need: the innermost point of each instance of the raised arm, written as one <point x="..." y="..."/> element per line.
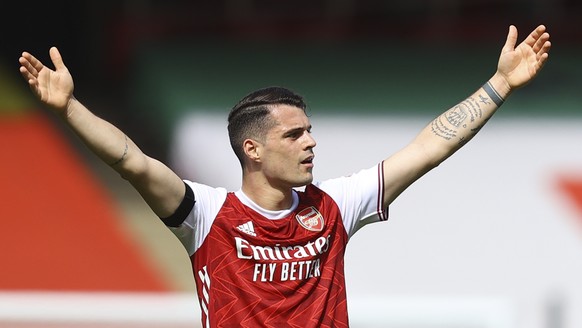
<point x="160" y="187"/>
<point x="454" y="128"/>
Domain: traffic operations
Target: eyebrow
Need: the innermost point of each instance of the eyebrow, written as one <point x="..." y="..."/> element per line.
<point x="296" y="130"/>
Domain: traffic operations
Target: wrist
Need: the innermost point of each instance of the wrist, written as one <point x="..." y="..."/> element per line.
<point x="69" y="108"/>
<point x="500" y="85"/>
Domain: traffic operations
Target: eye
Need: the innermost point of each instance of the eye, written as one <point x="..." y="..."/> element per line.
<point x="297" y="133"/>
<point x="294" y="134"/>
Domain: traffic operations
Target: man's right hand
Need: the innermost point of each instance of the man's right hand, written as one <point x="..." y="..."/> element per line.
<point x="52" y="87"/>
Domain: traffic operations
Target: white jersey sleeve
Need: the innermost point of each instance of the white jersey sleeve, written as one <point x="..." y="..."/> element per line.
<point x="196" y="226"/>
<point x="359" y="197"/>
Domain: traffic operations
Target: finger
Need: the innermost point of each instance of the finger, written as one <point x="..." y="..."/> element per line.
<point x="511" y="39"/>
<point x="56" y="58"/>
<point x="541" y="42"/>
<point x="535" y="35"/>
<point x="542" y="60"/>
<point x="31" y="79"/>
<point x="29" y="73"/>
<point x="27" y="66"/>
<point x="27" y="69"/>
<point x="34" y="62"/>
<point x="26" y="74"/>
<point x="543" y="54"/>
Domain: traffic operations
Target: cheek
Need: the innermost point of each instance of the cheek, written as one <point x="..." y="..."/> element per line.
<point x="274" y="161"/>
<point x="280" y="155"/>
<point x="280" y="162"/>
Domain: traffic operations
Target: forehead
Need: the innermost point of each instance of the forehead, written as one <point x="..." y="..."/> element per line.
<point x="288" y="117"/>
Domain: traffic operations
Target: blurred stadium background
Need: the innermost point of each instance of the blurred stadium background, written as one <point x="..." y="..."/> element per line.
<point x="492" y="238"/>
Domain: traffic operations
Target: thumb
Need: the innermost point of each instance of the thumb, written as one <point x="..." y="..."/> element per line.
<point x="57" y="59"/>
<point x="511" y="39"/>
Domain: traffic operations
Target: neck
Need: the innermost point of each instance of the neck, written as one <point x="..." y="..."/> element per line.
<point x="267" y="196"/>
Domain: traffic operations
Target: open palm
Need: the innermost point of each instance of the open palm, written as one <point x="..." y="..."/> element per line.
<point x="52" y="87"/>
<point x="521" y="64"/>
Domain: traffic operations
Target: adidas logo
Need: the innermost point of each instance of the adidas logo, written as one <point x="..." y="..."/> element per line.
<point x="247" y="228"/>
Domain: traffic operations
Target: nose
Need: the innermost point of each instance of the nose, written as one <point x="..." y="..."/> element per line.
<point x="310" y="141"/>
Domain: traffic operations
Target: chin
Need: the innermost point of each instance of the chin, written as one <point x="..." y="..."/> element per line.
<point x="306" y="181"/>
<point x="302" y="182"/>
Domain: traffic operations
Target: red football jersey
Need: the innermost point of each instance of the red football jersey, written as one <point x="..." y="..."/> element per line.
<point x="259" y="268"/>
<point x="255" y="272"/>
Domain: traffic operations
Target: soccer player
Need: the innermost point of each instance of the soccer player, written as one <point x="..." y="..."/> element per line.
<point x="272" y="253"/>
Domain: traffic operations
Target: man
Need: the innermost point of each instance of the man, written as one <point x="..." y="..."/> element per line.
<point x="271" y="254"/>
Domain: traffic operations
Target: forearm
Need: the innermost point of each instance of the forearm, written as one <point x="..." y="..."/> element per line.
<point x="516" y="67"/>
<point x="159" y="186"/>
<point x="459" y="124"/>
<point x="105" y="140"/>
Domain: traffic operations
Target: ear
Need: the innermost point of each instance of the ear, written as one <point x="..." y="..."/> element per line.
<point x="252" y="149"/>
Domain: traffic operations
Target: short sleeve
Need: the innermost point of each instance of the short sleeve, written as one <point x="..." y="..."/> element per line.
<point x="359" y="197"/>
<point x="196" y="226"/>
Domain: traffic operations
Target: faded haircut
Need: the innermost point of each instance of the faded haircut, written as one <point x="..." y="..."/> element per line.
<point x="249" y="118"/>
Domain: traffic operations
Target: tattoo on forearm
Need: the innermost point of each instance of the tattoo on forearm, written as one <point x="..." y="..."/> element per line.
<point x="441" y="129"/>
<point x="468" y="111"/>
<point x="478" y="127"/>
<point x="493" y="94"/>
<point x="473" y="108"/>
<point x="457" y="115"/>
<point x="124" y="154"/>
<point x="484" y="100"/>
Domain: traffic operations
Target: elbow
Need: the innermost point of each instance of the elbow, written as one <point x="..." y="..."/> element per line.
<point x="133" y="169"/>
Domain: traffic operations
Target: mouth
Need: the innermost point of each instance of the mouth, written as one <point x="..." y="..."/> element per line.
<point x="308" y="160"/>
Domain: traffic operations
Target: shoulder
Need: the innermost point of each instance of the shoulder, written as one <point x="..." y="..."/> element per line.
<point x="196" y="223"/>
<point x="368" y="178"/>
<point x="205" y="194"/>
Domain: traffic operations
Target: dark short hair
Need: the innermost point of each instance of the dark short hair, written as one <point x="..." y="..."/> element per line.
<point x="249" y="118"/>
